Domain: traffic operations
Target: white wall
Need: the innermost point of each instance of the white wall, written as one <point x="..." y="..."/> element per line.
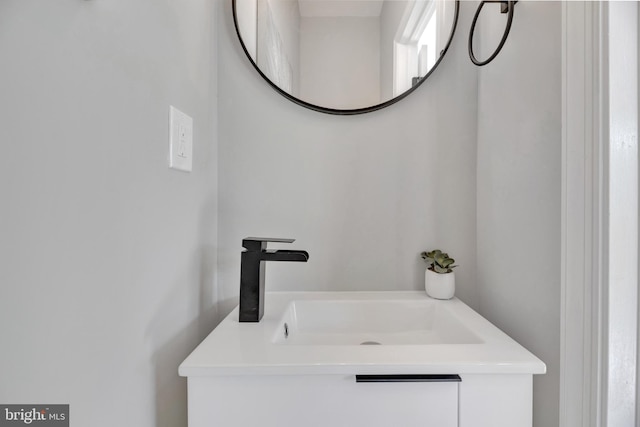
<point x="363" y="194"/>
<point x="340" y="61"/>
<point x="107" y="256"/>
<point x="103" y="295"/>
<point x="518" y="191"/>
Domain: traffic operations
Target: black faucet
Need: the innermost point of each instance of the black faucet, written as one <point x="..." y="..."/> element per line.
<point x="252" y="273"/>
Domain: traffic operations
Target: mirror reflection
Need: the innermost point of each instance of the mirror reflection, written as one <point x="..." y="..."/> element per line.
<point x="345" y="54"/>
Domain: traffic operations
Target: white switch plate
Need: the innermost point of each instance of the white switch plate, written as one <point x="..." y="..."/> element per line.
<point x="180" y="140"/>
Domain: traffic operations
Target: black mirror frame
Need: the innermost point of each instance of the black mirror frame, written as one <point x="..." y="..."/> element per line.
<point x="346" y="112"/>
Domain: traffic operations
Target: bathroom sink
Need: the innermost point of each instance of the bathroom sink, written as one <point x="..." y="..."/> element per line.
<point x="346" y="333"/>
<point x="371" y="322"/>
<point x="371" y="358"/>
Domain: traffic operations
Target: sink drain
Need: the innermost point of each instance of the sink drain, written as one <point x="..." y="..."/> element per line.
<point x="370" y="343"/>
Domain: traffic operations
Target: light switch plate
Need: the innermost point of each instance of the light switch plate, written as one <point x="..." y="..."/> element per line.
<point x="180" y="140"/>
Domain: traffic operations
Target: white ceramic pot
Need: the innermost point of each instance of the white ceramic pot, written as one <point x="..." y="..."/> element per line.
<point x="439" y="286"/>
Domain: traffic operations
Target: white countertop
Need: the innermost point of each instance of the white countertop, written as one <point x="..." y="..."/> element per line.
<point x="235" y="348"/>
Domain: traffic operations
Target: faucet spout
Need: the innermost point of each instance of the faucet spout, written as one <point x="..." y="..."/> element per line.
<point x="285" y="255"/>
<point x="252" y="269"/>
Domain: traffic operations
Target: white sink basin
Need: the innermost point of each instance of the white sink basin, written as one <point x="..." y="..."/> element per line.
<point x="371" y="322"/>
<point x="326" y="330"/>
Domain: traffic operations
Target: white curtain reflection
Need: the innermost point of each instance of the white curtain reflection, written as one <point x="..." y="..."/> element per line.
<point x="272" y="57"/>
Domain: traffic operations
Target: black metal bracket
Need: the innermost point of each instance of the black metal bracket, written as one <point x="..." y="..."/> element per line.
<point x="504" y="7"/>
<point x="504" y="4"/>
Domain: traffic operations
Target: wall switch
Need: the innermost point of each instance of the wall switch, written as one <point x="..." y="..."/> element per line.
<point x="180" y="140"/>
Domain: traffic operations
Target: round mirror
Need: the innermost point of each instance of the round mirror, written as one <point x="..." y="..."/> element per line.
<point x="345" y="56"/>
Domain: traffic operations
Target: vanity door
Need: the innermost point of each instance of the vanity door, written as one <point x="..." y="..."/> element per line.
<point x="319" y="401"/>
<point x="428" y="404"/>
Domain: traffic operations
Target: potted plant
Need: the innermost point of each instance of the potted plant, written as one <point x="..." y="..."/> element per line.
<point x="439" y="278"/>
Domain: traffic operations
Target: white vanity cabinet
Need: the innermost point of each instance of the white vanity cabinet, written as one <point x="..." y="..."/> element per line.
<point x="319" y="401"/>
<point x="338" y="401"/>
<point x="439" y="364"/>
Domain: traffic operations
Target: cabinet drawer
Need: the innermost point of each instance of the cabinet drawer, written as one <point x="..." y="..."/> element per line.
<point x="320" y="401"/>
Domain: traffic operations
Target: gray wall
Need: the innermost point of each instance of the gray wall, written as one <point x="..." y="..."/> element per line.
<point x="363" y="194"/>
<point x="108" y="274"/>
<point x="107" y="256"/>
<point x="344" y="54"/>
<point x="518" y="192"/>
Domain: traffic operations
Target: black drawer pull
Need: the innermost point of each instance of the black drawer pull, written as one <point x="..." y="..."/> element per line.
<point x="407" y="378"/>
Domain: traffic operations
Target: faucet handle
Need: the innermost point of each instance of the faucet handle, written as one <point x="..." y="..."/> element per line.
<point x="260" y="243"/>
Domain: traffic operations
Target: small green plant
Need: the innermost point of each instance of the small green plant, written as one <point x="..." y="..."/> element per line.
<point x="438" y="261"/>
